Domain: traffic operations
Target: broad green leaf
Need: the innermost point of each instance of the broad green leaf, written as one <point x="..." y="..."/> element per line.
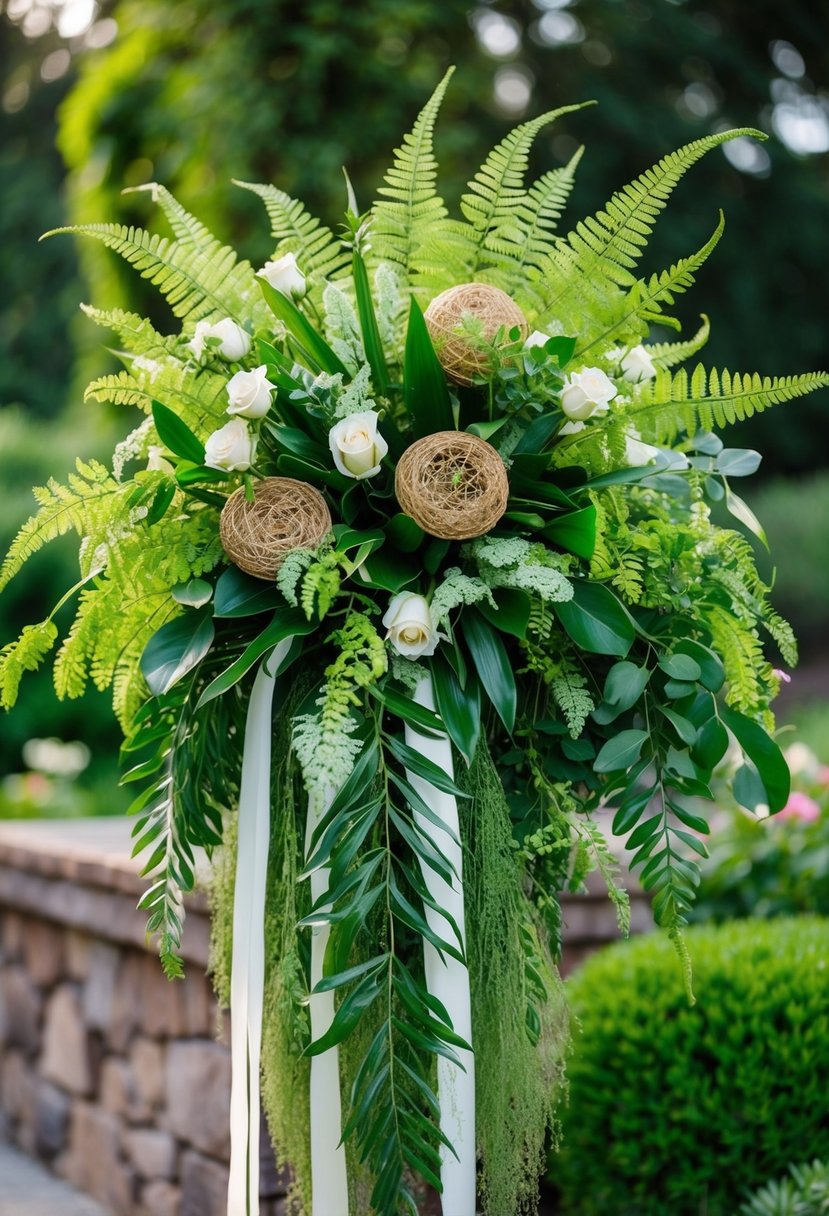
<point x="711" y="744"/>
<point x="403" y="533"/>
<point x="239" y="594"/>
<point x="621" y="751"/>
<point x="288" y="622"/>
<point x="625" y="684"/>
<point x="368" y="324"/>
<point x="319" y="353"/>
<point x="460" y="708"/>
<point x="492" y="664"/>
<point x="712" y="673"/>
<point x="513" y="612"/>
<point x="189" y="474"/>
<point x="596" y="621"/>
<point x="175" y="649"/>
<point x="575" y="532"/>
<point x="742" y="511"/>
<point x="162" y="498"/>
<point x="176" y="435"/>
<point x="304" y="470"/>
<point x="424" y="380"/>
<point x="764" y="754"/>
<point x="685" y="729"/>
<point x="538" y="434"/>
<point x="194" y="594"/>
<point x="423" y="768"/>
<point x="295" y="441"/>
<point x="409" y="711"/>
<point x="680" y="667"/>
<point x="738" y="462"/>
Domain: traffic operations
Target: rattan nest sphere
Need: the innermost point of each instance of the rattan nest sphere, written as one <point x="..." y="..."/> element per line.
<point x="285" y="514"/>
<point x="454" y="485"/>
<point x="460" y="359"/>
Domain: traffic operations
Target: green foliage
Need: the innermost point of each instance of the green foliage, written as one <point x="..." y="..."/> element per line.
<point x="804" y="1191"/>
<point x="320" y="254"/>
<point x="676" y="1108"/>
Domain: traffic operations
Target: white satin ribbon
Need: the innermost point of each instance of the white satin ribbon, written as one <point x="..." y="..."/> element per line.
<point x="447" y="978"/>
<point x="247" y="980"/>
<point x="329" y="1180"/>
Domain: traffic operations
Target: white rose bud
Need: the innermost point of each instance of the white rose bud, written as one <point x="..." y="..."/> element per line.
<point x="230" y="448"/>
<point x="250" y="393"/>
<point x="409" y="626"/>
<point x="356" y="445"/>
<point x="156" y="462"/>
<point x="285" y="276"/>
<point x="536" y="338"/>
<point x="234" y="342"/>
<point x="587" y="393"/>
<point x="637" y="365"/>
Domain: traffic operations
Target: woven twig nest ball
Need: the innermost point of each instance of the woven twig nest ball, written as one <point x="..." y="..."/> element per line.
<point x="460" y="358"/>
<point x="453" y="485"/>
<point x="285" y="514"/>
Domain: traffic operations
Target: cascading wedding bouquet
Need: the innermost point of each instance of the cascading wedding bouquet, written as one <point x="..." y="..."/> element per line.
<point x="458" y="530"/>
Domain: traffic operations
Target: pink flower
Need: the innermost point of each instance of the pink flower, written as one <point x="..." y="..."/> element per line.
<point x="782" y="676"/>
<point x="823" y="775"/>
<point x="800" y="806"/>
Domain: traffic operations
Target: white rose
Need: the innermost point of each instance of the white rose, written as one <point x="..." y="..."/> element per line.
<point x="587" y="393"/>
<point x="250" y="393"/>
<point x="285" y="276"/>
<point x="231" y="447"/>
<point x="409" y="626"/>
<point x="156" y="462"/>
<point x="637" y="365"/>
<point x="536" y="338"/>
<point x="234" y="342"/>
<point x="638" y="454"/>
<point x="356" y="446"/>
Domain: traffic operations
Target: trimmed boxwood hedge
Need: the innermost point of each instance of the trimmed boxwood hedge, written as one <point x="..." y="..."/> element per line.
<point x="679" y="1110"/>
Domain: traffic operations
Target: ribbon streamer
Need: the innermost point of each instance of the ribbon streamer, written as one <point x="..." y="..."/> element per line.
<point x="329" y="1180"/>
<point x="447" y="978"/>
<point x="247" y="981"/>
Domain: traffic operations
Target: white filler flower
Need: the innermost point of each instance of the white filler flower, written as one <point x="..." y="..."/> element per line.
<point x="409" y="626"/>
<point x="285" y="276"/>
<point x="637" y="365"/>
<point x="249" y="393"/>
<point x="587" y="393"/>
<point x="230" y="448"/>
<point x="234" y="342"/>
<point x="357" y="446"/>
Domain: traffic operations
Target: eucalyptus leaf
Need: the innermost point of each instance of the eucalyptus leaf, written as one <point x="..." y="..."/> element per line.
<point x="621" y="751"/>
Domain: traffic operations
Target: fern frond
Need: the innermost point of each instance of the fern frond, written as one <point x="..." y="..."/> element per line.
<point x="643" y="303"/>
<point x="605" y="248"/>
<point x="320" y="254"/>
<point x="742" y="656"/>
<point x="198" y="280"/>
<point x="64" y="509"/>
<point x="535" y="221"/>
<point x="780" y="629"/>
<point x="410" y="205"/>
<point x="137" y="334"/>
<point x="186" y="228"/>
<point x="709" y="400"/>
<point x="497" y="190"/>
<point x="200" y="396"/>
<point x="26" y="654"/>
<point x="669" y="354"/>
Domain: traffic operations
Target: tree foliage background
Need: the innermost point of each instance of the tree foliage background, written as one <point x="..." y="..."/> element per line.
<point x="96" y="97"/>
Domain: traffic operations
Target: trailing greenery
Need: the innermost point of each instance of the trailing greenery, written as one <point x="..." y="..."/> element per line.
<point x="676" y="1108"/>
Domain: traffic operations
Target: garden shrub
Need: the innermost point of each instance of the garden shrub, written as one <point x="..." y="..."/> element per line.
<point x="680" y="1110"/>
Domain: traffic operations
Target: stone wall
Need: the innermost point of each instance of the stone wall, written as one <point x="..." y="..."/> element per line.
<point x="116" y="1078"/>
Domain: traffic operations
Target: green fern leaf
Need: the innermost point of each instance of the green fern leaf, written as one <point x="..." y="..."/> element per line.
<point x="669" y="354"/>
<point x="643" y="303"/>
<point x="320" y="254"/>
<point x="26" y="654"/>
<point x="137" y="333"/>
<point x="603" y="249"/>
<point x="535" y="220"/>
<point x="497" y="190"/>
<point x="708" y="400"/>
<point x="410" y="206"/>
<point x="200" y="396"/>
<point x="198" y="280"/>
<point x="186" y="228"/>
